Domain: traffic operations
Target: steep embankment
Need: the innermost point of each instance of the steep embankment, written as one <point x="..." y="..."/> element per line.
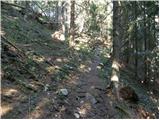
<point x="32" y="63"/>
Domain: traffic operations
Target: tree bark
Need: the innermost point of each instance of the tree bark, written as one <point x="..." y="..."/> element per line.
<point x="116" y="45"/>
<point x="145" y="46"/>
<point x="72" y="21"/>
<point x="12" y="4"/>
<point x="135" y="39"/>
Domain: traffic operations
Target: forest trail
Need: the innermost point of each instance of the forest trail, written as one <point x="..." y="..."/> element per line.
<point x="34" y="75"/>
<point x="88" y="98"/>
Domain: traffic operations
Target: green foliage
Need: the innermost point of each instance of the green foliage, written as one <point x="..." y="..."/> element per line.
<point x="25" y="31"/>
<point x="104" y="70"/>
<point x="93" y="26"/>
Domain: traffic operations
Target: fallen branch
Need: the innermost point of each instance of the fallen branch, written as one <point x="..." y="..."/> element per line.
<point x="15" y="5"/>
<point x="4" y="39"/>
<point x="26" y="85"/>
<point x="21" y="51"/>
<point x="123" y="111"/>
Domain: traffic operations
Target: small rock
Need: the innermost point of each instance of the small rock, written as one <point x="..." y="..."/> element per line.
<point x="64" y="92"/>
<point x="56" y="115"/>
<point x="45" y="43"/>
<point x="76" y="115"/>
<point x="91" y="98"/>
<point x="81" y="102"/>
<point x="46" y="87"/>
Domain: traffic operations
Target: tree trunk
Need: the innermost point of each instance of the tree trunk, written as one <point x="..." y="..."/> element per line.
<point x="67" y="19"/>
<point x="58" y="14"/>
<point x="145" y="46"/>
<point x="116" y="45"/>
<point x="72" y="19"/>
<point x="135" y="39"/>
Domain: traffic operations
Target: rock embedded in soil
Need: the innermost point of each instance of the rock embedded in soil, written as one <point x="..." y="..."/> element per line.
<point x="91" y="98"/>
<point x="76" y="115"/>
<point x="64" y="92"/>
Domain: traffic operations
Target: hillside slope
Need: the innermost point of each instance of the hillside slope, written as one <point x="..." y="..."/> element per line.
<point x="31" y="63"/>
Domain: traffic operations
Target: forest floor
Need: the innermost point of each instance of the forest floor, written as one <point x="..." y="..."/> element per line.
<point x="87" y="98"/>
<point x="35" y="68"/>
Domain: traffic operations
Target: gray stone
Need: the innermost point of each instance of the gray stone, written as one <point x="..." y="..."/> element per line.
<point x="64" y="92"/>
<point x="91" y="98"/>
<point x="76" y="115"/>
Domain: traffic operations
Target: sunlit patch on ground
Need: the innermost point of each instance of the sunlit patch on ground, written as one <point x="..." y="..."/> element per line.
<point x="38" y="110"/>
<point x="99" y="67"/>
<point x="153" y="99"/>
<point x="84" y="68"/>
<point x="145" y="114"/>
<point x="81" y="43"/>
<point x="61" y="60"/>
<point x="5" y="109"/>
<point x="38" y="58"/>
<point x="73" y="79"/>
<point x="9" y="92"/>
<point x="77" y="48"/>
<point x="53" y="69"/>
<point x="84" y="109"/>
<point x="107" y="55"/>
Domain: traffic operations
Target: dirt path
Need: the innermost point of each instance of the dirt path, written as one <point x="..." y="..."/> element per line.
<point x="86" y="99"/>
